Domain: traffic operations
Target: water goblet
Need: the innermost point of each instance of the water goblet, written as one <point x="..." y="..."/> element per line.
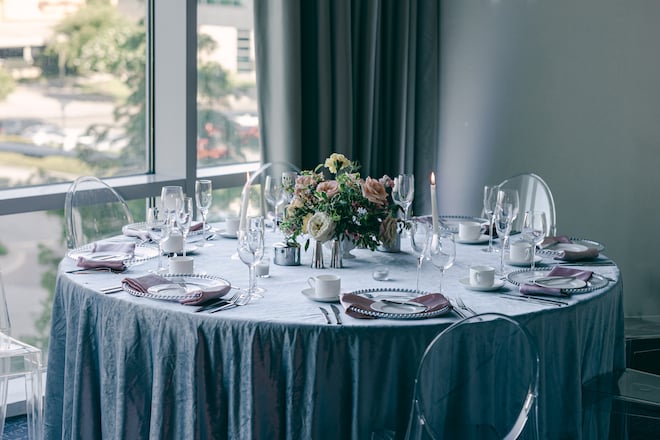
<point x="420" y="234"/>
<point x="275" y="195"/>
<point x="250" y="251"/>
<point x="506" y="211"/>
<point x="168" y="197"/>
<point x="183" y="218"/>
<point x="442" y="252"/>
<point x="204" y="198"/>
<point x="534" y="229"/>
<point x="403" y="192"/>
<point x="490" y="200"/>
<point x="155" y="226"/>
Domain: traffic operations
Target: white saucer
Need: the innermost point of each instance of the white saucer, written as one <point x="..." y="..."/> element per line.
<point x="482" y="239"/>
<point x="537" y="259"/>
<point x="226" y="234"/>
<point x="309" y="293"/>
<point x="496" y="285"/>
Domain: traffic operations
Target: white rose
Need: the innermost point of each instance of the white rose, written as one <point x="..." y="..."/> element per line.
<point x="321" y="227"/>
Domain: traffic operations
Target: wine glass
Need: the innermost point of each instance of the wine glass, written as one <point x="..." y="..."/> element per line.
<point x="183" y="218"/>
<point x="490" y="200"/>
<point x="275" y="195"/>
<point x="534" y="228"/>
<point x="168" y="197"/>
<point x="250" y="251"/>
<point x="403" y="192"/>
<point x="203" y="197"/>
<point x="506" y="211"/>
<point x="442" y="252"/>
<point x="420" y="233"/>
<point x="155" y="225"/>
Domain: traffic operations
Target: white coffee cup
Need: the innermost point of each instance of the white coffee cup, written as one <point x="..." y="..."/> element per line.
<point x="325" y="286"/>
<point x="231" y="225"/>
<point x="181" y="265"/>
<point x="482" y="276"/>
<point x="469" y="231"/>
<point x="520" y="252"/>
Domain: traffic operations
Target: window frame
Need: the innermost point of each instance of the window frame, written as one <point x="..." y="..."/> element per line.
<point x="171" y="62"/>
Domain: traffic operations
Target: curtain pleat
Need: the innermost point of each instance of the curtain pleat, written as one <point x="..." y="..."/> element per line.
<point x="359" y="77"/>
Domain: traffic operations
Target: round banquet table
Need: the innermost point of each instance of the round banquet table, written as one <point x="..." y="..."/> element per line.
<point x="127" y="367"/>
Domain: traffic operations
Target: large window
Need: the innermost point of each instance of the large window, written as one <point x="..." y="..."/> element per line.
<point x="107" y="88"/>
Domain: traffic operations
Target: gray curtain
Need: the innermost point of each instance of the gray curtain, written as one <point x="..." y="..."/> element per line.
<point x="359" y="77"/>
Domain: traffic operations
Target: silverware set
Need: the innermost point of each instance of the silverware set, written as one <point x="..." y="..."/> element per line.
<point x="239" y="298"/>
<point x="335" y="311"/>
<point x="460" y="308"/>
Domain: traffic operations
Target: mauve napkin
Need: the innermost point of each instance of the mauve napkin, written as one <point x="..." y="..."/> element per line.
<point x="195" y="226"/>
<point x="132" y="231"/>
<point x="124" y="251"/>
<point x="567" y="255"/>
<point x="354" y="303"/>
<point x="197" y="297"/>
<point x="533" y="289"/>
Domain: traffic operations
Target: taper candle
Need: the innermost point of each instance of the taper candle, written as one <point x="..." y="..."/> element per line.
<point x="434" y="205"/>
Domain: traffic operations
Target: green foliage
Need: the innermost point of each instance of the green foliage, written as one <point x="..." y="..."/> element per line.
<point x="7" y="84"/>
<point x="3" y="249"/>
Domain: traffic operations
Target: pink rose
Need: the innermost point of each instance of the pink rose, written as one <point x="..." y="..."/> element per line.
<point x="374" y="191"/>
<point x="330" y="187"/>
<point x="387" y="181"/>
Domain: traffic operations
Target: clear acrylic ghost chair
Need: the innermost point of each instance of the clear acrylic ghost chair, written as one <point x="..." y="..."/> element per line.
<point x="19" y="360"/>
<point x="621" y="404"/>
<point x="478" y="379"/>
<point x="535" y="195"/>
<point x="257" y="202"/>
<point x="93" y="210"/>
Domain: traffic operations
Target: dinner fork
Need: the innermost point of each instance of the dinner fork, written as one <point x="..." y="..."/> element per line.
<point x="238" y="299"/>
<point x="462" y="305"/>
<point x="455" y="308"/>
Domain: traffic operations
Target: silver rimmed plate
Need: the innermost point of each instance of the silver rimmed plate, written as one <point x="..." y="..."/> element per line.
<point x="528" y="276"/>
<point x="588" y="243"/>
<point x="560" y="282"/>
<point x="142" y="253"/>
<point x="385" y="296"/>
<point x="183" y="286"/>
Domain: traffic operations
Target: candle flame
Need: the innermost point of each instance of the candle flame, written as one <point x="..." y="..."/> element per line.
<point x="432" y="178"/>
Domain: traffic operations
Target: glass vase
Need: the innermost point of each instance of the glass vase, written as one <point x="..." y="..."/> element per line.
<point x="336" y="255"/>
<point x="317" y="257"/>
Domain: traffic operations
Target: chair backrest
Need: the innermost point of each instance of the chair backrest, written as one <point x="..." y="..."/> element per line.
<point x="534" y="194"/>
<point x="257" y="203"/>
<point x="92" y="211"/>
<point x="478" y="379"/>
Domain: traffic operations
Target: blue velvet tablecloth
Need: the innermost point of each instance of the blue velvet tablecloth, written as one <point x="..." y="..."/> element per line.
<point x="124" y="367"/>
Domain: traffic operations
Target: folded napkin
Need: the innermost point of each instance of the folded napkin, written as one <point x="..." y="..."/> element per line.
<point x="132" y="231"/>
<point x="533" y="289"/>
<point x="124" y="250"/>
<point x="196" y="226"/>
<point x="568" y="255"/>
<point x="143" y="283"/>
<point x="354" y="303"/>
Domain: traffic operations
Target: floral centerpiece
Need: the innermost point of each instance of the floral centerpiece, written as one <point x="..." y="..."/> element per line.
<point x="343" y="206"/>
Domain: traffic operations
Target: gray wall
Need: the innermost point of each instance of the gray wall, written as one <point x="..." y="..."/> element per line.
<point x="570" y="90"/>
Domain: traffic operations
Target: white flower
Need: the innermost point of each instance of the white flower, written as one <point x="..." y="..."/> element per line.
<point x="321" y="227"/>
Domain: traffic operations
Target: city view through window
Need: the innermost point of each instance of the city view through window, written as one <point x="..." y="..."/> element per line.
<point x="73" y="101"/>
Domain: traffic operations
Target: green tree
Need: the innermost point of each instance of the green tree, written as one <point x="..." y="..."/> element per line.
<point x="7" y="84"/>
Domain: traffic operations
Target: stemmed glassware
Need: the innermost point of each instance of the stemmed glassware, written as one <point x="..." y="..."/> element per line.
<point x="420" y="234"/>
<point x="490" y="200"/>
<point x="155" y="228"/>
<point x="506" y="211"/>
<point x="403" y="192"/>
<point x="250" y="251"/>
<point x="183" y="218"/>
<point x="204" y="198"/>
<point x="169" y="196"/>
<point x="442" y="252"/>
<point x="534" y="228"/>
<point x="275" y="195"/>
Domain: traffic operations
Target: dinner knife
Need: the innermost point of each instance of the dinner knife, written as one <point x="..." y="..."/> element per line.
<point x="335" y="310"/>
<point x="547" y="302"/>
<point x="326" y="314"/>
